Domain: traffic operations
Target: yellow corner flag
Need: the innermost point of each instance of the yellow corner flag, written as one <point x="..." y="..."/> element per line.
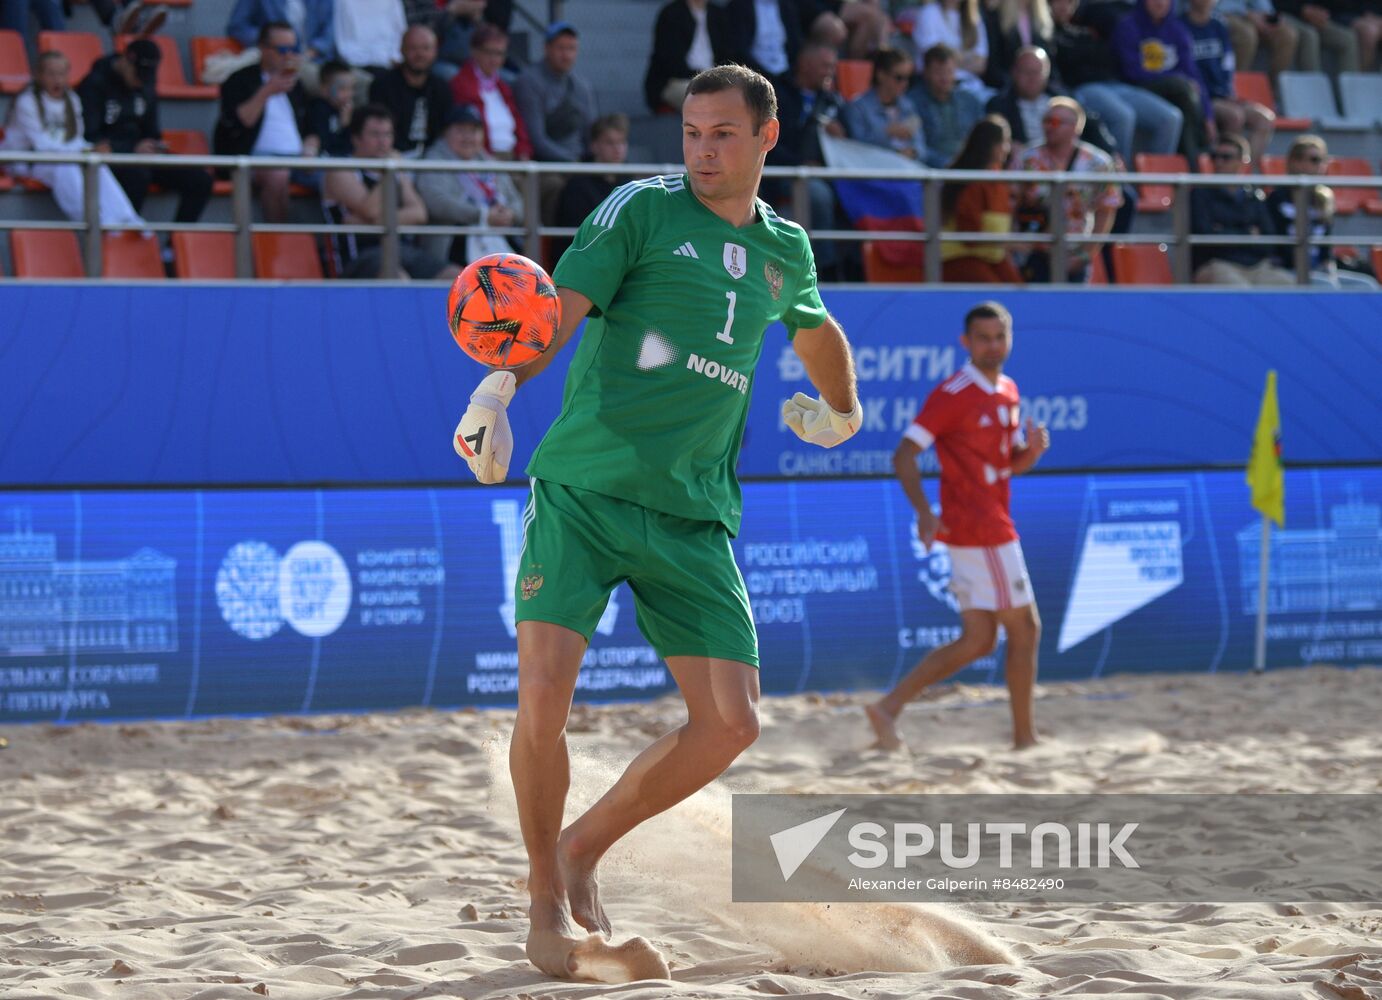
<point x="1265" y="474"/>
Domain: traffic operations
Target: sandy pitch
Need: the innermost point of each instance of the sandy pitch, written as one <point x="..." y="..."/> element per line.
<point x="372" y="856"/>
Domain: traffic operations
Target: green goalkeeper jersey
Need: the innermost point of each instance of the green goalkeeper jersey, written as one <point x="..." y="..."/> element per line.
<point x="658" y="391"/>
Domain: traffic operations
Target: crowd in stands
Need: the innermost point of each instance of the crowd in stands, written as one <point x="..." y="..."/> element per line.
<point x="1078" y="86"/>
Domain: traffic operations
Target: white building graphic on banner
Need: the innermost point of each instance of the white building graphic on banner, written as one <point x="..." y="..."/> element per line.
<point x="1334" y="569"/>
<point x="51" y="608"/>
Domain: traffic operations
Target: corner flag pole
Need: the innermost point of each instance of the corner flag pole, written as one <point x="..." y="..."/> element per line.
<point x="1268" y="482"/>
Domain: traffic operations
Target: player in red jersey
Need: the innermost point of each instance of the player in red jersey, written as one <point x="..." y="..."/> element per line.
<point x="972" y="420"/>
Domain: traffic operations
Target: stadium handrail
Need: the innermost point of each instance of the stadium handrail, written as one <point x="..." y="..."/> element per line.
<point x="1179" y="239"/>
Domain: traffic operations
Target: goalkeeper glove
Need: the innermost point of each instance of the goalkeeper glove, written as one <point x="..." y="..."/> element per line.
<point x="814" y="421"/>
<point x="483" y="437"/>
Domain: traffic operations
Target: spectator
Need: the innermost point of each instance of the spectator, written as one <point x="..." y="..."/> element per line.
<point x="469" y="198"/>
<point x="557" y="104"/>
<point x="480" y="85"/>
<point x="456" y="22"/>
<point x="979" y="207"/>
<point x="957" y="24"/>
<point x="1310" y="156"/>
<point x="947" y="113"/>
<point x="311" y="20"/>
<point x="1089" y="207"/>
<point x="1366" y="21"/>
<point x="1018" y="24"/>
<point x="768" y="33"/>
<point x="583" y="193"/>
<point x="1251" y="22"/>
<point x="121" y="113"/>
<point x="369" y="33"/>
<point x="14" y="15"/>
<point x="328" y="116"/>
<point x="806" y="102"/>
<point x="1319" y="30"/>
<point x="1155" y="51"/>
<point x="1234" y="211"/>
<point x="418" y="97"/>
<point x="47" y="117"/>
<point x="884" y="115"/>
<point x="264" y="113"/>
<point x="356" y="198"/>
<point x="1088" y="66"/>
<point x="1214" y="57"/>
<point x="860" y="27"/>
<point x="690" y="36"/>
<point x="1023" y="101"/>
<point x="124" y="17"/>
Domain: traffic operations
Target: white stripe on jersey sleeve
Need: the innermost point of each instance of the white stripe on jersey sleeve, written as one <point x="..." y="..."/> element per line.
<point x="608" y="211"/>
<point x="919" y="434"/>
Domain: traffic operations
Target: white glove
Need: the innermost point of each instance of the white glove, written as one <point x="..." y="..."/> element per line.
<point x="814" y="421"/>
<point x="483" y="437"/>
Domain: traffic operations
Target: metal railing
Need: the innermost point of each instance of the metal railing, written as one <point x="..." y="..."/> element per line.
<point x="1056" y="241"/>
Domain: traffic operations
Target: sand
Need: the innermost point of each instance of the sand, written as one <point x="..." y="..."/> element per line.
<point x="374" y="855"/>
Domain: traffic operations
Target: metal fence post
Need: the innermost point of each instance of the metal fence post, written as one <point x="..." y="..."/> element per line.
<point x="1302" y="197"/>
<point x="931" y="209"/>
<point x="532" y="219"/>
<point x="1180" y="235"/>
<point x="801" y="203"/>
<point x="91" y="207"/>
<point x="1056" y="223"/>
<point x="242" y="210"/>
<point x="388" y="248"/>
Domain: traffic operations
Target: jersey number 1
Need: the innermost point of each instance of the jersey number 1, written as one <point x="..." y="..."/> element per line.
<point x="729" y="321"/>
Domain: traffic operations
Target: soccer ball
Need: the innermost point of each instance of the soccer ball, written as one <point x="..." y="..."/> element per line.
<point x="503" y="310"/>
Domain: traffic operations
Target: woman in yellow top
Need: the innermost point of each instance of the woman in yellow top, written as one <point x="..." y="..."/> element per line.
<point x="979" y="207"/>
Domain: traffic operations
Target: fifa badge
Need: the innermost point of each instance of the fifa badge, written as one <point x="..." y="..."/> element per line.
<point x="736" y="260"/>
<point x="531" y="585"/>
<point x="773" y="274"/>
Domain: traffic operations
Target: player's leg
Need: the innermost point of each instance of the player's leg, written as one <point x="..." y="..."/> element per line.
<point x="978" y="638"/>
<point x="722" y="721"/>
<point x="694" y="609"/>
<point x="1023" y="628"/>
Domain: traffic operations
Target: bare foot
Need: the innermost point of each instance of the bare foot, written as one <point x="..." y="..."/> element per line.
<point x="582" y="889"/>
<point x="551" y="938"/>
<point x="1025" y="741"/>
<point x="884" y="727"/>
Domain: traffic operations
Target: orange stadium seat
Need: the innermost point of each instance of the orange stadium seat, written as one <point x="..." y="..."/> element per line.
<point x="1377" y="260"/>
<point x="1141" y="264"/>
<point x="1350" y="200"/>
<point x="1157" y="197"/>
<point x="1272" y="165"/>
<point x="286" y="256"/>
<point x="45" y="253"/>
<point x="172" y="81"/>
<point x="1098" y="270"/>
<point x="203" y="47"/>
<point x="204" y="255"/>
<point x="82" y="49"/>
<point x="131" y="255"/>
<point x="1257" y="87"/>
<point x="14" y="63"/>
<point x="853" y="77"/>
<point x="190" y="142"/>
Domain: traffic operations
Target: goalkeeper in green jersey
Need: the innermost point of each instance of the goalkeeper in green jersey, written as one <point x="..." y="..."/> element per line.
<point x="680" y="277"/>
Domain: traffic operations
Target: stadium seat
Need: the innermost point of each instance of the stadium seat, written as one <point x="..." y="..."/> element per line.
<point x="1309" y="95"/>
<point x="131" y="255"/>
<point x="853" y="77"/>
<point x="879" y="269"/>
<point x="286" y="256"/>
<point x="172" y="81"/>
<point x="190" y="142"/>
<point x="82" y="49"/>
<point x="1377" y="261"/>
<point x="204" y="255"/>
<point x="203" y="47"/>
<point x="1141" y="264"/>
<point x="45" y="253"/>
<point x="1098" y="271"/>
<point x="1154" y="198"/>
<point x="1272" y="165"/>
<point x="1257" y="87"/>
<point x="1350" y="200"/>
<point x="1361" y="94"/>
<point x="14" y="63"/>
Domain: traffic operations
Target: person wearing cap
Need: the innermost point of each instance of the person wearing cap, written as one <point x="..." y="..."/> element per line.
<point x="557" y="104"/>
<point x="121" y="113"/>
<point x="480" y="85"/>
<point x="264" y="113"/>
<point x="418" y="97"/>
<point x="472" y="198"/>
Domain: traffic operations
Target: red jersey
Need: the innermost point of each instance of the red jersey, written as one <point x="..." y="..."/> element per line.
<point x="974" y="425"/>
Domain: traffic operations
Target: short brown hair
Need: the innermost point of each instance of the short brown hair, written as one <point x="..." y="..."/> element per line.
<point x="886" y="59"/>
<point x="989" y="310"/>
<point x="758" y="92"/>
<point x="616" y="122"/>
<point x="938" y="53"/>
<point x="1237" y="142"/>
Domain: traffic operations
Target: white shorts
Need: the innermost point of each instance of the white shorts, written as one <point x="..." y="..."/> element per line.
<point x="989" y="579"/>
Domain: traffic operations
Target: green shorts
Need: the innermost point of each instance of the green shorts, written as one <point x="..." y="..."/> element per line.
<point x="578" y="546"/>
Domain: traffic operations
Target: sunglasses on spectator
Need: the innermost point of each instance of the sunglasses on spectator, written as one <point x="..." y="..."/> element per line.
<point x="288" y="50"/>
<point x="1057" y="120"/>
<point x="1313" y="159"/>
<point x="901" y="77"/>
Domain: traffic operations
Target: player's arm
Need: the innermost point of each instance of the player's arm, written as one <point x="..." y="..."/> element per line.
<point x="835" y="417"/>
<point x="908" y="474"/>
<point x="574" y="307"/>
<point x="1038" y="441"/>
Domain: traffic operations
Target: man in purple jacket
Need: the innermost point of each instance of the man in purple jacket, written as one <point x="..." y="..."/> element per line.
<point x="1155" y="51"/>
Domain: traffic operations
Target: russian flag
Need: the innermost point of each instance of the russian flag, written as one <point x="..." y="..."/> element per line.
<point x="885" y="206"/>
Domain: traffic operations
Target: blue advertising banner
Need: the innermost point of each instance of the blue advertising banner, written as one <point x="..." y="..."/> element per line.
<point x="265" y="384"/>
<point x="118" y="604"/>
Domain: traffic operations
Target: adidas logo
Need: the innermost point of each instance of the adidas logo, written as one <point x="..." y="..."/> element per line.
<point x="686" y="250"/>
